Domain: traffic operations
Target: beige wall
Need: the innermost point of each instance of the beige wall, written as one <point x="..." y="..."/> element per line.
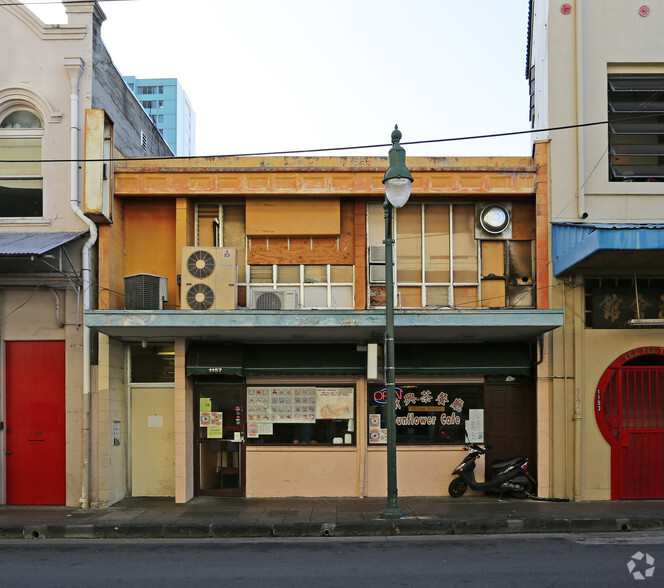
<point x="612" y="36"/>
<point x="110" y="473"/>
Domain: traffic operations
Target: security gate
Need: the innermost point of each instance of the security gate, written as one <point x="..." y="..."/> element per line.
<point x="630" y="401"/>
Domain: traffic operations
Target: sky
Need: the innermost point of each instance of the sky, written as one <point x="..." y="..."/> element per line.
<point x="267" y="75"/>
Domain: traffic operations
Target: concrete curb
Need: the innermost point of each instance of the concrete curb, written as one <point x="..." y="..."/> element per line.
<point x="367" y="528"/>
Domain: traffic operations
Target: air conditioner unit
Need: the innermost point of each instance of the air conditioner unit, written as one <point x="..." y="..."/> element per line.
<point x="377" y="274"/>
<point x="377" y="254"/>
<point x="493" y="220"/>
<point x="145" y="292"/>
<point x="209" y="278"/>
<point x="268" y="299"/>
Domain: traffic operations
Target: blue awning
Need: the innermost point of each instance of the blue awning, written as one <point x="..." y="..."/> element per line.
<point x="588" y="248"/>
<point x="34" y="243"/>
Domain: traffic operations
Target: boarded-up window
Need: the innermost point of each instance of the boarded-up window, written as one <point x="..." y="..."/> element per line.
<point x="289" y="217"/>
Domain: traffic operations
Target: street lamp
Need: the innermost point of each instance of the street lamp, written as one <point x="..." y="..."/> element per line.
<point x="397" y="182"/>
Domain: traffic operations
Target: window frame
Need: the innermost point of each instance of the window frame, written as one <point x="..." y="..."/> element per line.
<point x="25" y="133"/>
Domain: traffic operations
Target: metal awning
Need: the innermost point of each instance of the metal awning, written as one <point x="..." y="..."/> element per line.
<point x="211" y="359"/>
<point x="34" y="243"/>
<point x="606" y="248"/>
<point x="331" y="326"/>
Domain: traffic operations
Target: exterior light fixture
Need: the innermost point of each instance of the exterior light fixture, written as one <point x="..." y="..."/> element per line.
<point x="397" y="182"/>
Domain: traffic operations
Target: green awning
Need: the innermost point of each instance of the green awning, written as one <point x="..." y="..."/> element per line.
<point x="214" y="359"/>
<point x="304" y="359"/>
<point x="254" y="360"/>
<point x="489" y="359"/>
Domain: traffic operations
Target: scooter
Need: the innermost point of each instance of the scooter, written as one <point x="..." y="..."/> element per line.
<point x="509" y="476"/>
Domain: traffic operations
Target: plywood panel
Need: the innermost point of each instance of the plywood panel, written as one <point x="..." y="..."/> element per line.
<point x="493" y="258"/>
<point x="523" y="221"/>
<point x="493" y="293"/>
<point x="293" y="217"/>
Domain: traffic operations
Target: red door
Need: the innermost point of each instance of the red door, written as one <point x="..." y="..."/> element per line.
<point x="35" y="422"/>
<point x="630" y="409"/>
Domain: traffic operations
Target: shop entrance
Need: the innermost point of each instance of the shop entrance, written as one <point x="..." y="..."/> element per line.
<point x="35" y="422"/>
<point x="219" y="444"/>
<point x="630" y="414"/>
<point x="509" y="421"/>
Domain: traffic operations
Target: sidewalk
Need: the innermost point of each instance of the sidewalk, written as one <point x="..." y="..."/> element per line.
<point x="337" y="517"/>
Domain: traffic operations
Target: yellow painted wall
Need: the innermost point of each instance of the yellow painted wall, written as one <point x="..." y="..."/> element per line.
<point x="150" y="242"/>
<point x="152" y="444"/>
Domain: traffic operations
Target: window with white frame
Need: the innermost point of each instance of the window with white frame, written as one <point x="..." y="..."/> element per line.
<point x="21" y="181"/>
<point x="310" y="286"/>
<point x="636" y="127"/>
<point x="440" y="263"/>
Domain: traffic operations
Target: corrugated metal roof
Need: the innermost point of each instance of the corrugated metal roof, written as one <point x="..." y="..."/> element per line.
<point x="34" y="243"/>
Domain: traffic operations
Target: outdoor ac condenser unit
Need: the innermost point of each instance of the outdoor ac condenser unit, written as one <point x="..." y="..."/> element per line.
<point x="145" y="292"/>
<point x="268" y="299"/>
<point x="209" y="278"/>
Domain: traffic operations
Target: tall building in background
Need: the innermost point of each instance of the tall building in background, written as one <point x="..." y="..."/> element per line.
<point x="169" y="107"/>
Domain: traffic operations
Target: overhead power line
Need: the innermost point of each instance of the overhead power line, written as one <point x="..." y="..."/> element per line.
<point x="318" y="150"/>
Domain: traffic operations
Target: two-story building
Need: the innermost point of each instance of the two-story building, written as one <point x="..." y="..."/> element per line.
<point x="596" y="73"/>
<point x="50" y="76"/>
<point x="244" y="298"/>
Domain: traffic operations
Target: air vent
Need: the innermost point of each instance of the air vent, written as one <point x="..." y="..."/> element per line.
<point x="377" y="254"/>
<point x="377" y="274"/>
<point x="145" y="292"/>
<point x="493" y="220"/>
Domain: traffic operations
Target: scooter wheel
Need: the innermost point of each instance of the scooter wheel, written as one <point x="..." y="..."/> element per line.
<point x="457" y="488"/>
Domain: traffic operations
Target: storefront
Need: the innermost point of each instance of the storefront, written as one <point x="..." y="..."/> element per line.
<point x="282" y="418"/>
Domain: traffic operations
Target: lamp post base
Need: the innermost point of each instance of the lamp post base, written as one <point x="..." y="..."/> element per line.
<point x="392" y="512"/>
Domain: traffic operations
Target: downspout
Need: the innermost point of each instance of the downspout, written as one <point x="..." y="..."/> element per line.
<point x="580" y="170"/>
<point x="74" y="66"/>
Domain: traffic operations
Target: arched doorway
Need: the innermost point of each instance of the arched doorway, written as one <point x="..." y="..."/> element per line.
<point x="629" y="409"/>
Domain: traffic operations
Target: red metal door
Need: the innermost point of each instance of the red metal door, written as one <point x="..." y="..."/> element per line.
<point x="632" y="404"/>
<point x="35" y="422"/>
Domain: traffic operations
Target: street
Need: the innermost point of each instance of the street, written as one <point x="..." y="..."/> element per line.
<point x="474" y="560"/>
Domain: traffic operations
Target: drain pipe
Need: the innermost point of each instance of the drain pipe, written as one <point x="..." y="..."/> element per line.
<point x="74" y="66"/>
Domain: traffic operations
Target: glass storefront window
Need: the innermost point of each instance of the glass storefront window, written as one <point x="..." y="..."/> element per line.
<point x="300" y="415"/>
<point x="429" y="414"/>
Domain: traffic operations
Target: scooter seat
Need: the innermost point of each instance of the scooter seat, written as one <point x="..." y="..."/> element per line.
<point x="497" y="465"/>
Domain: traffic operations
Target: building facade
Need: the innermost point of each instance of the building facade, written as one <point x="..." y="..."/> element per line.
<point x="596" y="69"/>
<point x="169" y="107"/>
<point x="60" y="79"/>
<point x="244" y="298"/>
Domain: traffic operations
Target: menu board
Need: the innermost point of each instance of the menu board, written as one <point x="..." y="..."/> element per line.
<point x="281" y="405"/>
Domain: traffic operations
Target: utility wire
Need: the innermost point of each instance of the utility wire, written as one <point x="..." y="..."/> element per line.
<point x="349" y="148"/>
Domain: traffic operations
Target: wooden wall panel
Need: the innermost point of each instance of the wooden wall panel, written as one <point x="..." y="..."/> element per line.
<point x="310" y="249"/>
<point x="277" y="217"/>
<point x="523" y="221"/>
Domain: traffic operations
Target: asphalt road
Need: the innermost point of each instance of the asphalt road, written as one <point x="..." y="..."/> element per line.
<point x="471" y="560"/>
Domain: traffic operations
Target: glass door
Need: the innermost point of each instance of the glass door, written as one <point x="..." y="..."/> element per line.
<point x="219" y="440"/>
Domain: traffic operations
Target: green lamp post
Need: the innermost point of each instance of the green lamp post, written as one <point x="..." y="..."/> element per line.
<point x="397" y="182"/>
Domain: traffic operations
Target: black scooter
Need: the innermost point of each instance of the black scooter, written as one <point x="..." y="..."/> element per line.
<point x="507" y="477"/>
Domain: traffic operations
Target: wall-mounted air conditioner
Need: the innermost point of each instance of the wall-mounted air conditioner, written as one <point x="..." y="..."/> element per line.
<point x="377" y="274"/>
<point x="268" y="299"/>
<point x="145" y="292"/>
<point x="377" y="254"/>
<point x="493" y="220"/>
<point x="209" y="278"/>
